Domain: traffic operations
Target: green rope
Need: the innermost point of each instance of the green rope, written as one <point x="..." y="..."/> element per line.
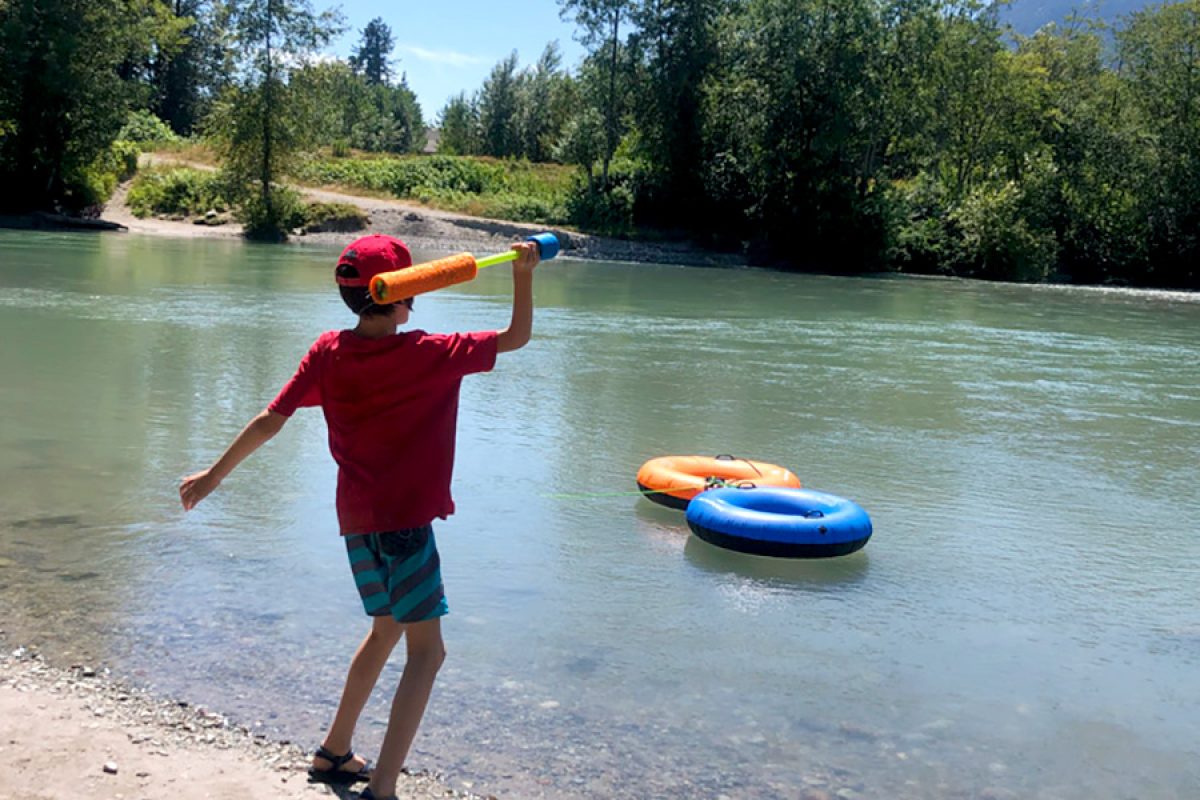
<point x="587" y="495"/>
<point x="709" y="483"/>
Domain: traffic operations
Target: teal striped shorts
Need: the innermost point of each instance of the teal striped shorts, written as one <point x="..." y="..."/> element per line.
<point x="398" y="573"/>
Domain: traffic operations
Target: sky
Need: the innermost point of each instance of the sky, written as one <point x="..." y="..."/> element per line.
<point x="449" y="46"/>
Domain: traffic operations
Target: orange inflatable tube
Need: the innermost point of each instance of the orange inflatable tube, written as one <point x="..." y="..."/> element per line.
<point x="674" y="480"/>
<point x="392" y="287"/>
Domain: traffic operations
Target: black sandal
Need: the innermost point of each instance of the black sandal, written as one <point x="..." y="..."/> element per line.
<point x="367" y="794"/>
<point x="335" y="773"/>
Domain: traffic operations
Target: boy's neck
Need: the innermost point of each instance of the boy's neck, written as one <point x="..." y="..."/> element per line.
<point x="375" y="327"/>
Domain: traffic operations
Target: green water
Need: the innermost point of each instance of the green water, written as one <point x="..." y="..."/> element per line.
<point x="1025" y="620"/>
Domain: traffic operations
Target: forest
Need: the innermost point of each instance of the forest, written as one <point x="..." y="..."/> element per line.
<point x="921" y="136"/>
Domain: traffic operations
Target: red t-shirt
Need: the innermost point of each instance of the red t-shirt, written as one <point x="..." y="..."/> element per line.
<point x="391" y="405"/>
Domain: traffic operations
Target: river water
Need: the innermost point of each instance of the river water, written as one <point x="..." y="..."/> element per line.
<point x="1025" y="621"/>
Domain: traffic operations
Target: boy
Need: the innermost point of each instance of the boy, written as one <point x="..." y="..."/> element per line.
<point x="391" y="403"/>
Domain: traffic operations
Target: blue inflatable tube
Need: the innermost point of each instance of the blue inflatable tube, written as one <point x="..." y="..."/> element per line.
<point x="785" y="523"/>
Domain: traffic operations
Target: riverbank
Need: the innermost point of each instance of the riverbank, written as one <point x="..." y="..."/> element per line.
<point x="68" y="732"/>
<point x="422" y="228"/>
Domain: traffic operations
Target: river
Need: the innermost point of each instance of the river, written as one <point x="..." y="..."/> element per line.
<point x="1025" y="621"/>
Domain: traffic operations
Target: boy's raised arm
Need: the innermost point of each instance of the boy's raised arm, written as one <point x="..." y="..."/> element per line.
<point x="517" y="334"/>
<point x="258" y="432"/>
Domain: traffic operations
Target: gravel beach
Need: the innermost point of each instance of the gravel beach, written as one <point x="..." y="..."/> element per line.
<point x="72" y="732"/>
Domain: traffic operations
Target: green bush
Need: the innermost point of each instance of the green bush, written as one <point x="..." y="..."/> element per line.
<point x="178" y="191"/>
<point x="92" y="186"/>
<point x="921" y="236"/>
<point x="144" y="128"/>
<point x="286" y="213"/>
<point x="406" y="177"/>
<point x="334" y="217"/>
<point x="609" y="212"/>
<point x="88" y="188"/>
<point x="999" y="239"/>
<point x="512" y="190"/>
<point x="527" y="208"/>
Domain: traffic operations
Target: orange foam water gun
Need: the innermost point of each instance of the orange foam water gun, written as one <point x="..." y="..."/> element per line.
<point x="391" y="287"/>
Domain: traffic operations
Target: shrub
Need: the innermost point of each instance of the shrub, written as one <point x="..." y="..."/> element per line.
<point x="921" y="237"/>
<point x="144" y="128"/>
<point x="286" y="213"/>
<point x="999" y="240"/>
<point x="179" y="190"/>
<point x="513" y="190"/>
<point x="92" y="186"/>
<point x="527" y="208"/>
<point x="334" y="217"/>
<point x="604" y="211"/>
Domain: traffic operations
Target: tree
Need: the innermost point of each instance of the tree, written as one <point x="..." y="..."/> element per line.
<point x="67" y="80"/>
<point x="370" y="58"/>
<point x="498" y="109"/>
<point x="262" y="124"/>
<point x="540" y="112"/>
<point x="399" y="127"/>
<point x="1101" y="164"/>
<point x="582" y="144"/>
<point x="350" y="112"/>
<point x="341" y="99"/>
<point x="187" y="81"/>
<point x="600" y="23"/>
<point x="786" y="116"/>
<point x="459" y="125"/>
<point x="677" y="45"/>
<point x="1160" y="54"/>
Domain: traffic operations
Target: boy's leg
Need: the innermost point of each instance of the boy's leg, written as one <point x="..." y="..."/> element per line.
<point x="426" y="652"/>
<point x="365" y="667"/>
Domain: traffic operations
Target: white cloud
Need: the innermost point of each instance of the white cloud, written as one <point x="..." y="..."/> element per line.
<point x="447" y="57"/>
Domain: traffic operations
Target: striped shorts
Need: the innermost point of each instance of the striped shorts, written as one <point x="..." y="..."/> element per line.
<point x="398" y="573"/>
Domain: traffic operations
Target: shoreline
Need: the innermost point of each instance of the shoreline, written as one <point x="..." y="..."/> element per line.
<point x="77" y="731"/>
<point x="423" y="228"/>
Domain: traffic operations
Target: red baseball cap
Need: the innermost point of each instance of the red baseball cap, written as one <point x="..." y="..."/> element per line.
<point x="371" y="255"/>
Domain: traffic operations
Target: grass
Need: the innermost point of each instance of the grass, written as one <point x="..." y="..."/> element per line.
<point x="194" y="151"/>
<point x="177" y="191"/>
<point x="180" y="191"/>
<point x="504" y="189"/>
<point x="518" y="191"/>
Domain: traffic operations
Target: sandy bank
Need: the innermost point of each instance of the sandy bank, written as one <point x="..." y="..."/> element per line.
<point x="71" y="733"/>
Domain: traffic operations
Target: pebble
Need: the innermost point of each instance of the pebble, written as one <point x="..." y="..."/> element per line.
<point x="110" y="767"/>
<point x="996" y="793"/>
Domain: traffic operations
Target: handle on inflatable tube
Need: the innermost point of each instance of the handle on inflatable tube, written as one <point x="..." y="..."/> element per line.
<point x="391" y="287"/>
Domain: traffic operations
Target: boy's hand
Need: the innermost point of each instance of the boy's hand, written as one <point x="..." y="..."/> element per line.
<point x="528" y="258"/>
<point x="195" y="488"/>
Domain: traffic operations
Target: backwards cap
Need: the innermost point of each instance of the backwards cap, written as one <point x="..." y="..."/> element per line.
<point x="371" y="255"/>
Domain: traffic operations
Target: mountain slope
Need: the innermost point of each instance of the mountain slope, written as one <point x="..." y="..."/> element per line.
<point x="1026" y="16"/>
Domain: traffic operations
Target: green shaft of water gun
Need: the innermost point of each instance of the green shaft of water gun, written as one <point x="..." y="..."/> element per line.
<point x="499" y="258"/>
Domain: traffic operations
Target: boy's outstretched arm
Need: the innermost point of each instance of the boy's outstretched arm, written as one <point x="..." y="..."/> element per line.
<point x="258" y="432"/>
<point x="516" y="335"/>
